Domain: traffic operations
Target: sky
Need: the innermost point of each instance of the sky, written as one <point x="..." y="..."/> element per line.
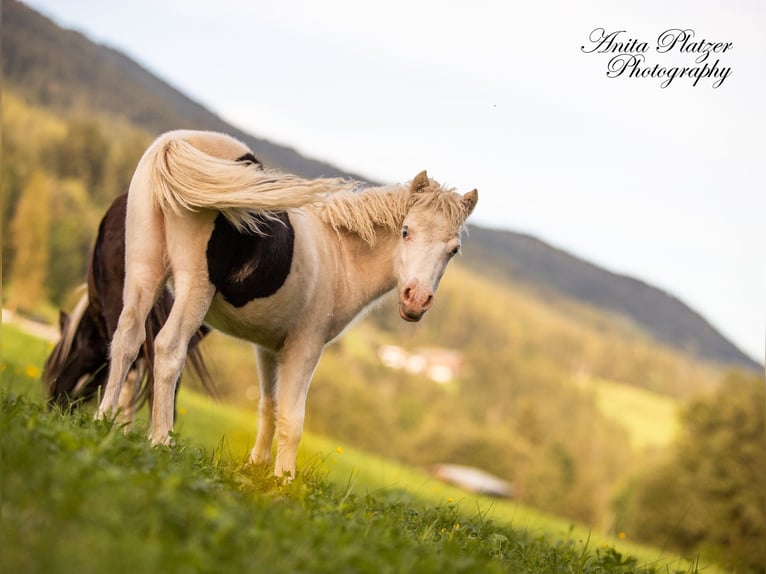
<point x="621" y="160"/>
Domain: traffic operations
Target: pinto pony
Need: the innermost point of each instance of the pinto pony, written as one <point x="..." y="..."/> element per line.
<point x="284" y="262"/>
<point x="77" y="367"/>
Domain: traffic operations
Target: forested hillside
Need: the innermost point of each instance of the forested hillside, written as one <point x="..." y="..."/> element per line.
<point x="64" y="71"/>
<point x="553" y="272"/>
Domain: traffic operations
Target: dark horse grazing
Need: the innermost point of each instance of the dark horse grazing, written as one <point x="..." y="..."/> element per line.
<point x="79" y="363"/>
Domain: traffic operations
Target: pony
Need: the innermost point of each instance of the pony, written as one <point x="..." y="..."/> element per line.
<point x="284" y="262"/>
<point x="76" y="368"/>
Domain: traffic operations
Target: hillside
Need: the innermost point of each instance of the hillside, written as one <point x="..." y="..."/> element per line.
<point x="64" y="71"/>
<point x="505" y="254"/>
<point x="202" y="510"/>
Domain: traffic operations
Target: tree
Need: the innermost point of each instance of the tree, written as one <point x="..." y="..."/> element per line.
<point x="711" y="497"/>
<point x="29" y="234"/>
<point x="83" y="153"/>
<point x="73" y="227"/>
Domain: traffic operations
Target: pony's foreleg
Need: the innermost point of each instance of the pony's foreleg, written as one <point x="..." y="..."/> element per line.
<point x="297" y="365"/>
<point x="267" y="380"/>
<point x="192" y="300"/>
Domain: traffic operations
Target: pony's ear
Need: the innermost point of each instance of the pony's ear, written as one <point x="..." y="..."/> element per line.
<point x="470" y="200"/>
<point x="419" y="182"/>
<point x="63" y="320"/>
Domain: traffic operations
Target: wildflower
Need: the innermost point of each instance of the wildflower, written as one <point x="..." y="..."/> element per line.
<point x="621" y="536"/>
<point x="450" y="500"/>
<point x="339" y="450"/>
<point x="31" y="372"/>
<point x="181" y="411"/>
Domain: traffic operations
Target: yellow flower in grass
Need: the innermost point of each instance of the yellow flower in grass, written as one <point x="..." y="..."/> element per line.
<point x="621" y="536"/>
<point x="339" y="450"/>
<point x="182" y="411"/>
<point x="32" y="372"/>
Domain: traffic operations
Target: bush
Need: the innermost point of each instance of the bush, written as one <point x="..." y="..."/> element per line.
<point x="710" y="495"/>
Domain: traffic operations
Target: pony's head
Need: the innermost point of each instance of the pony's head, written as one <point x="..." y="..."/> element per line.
<point x="430" y="238"/>
<point x="76" y="366"/>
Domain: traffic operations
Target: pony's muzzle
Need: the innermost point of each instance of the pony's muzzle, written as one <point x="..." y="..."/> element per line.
<point x="414" y="301"/>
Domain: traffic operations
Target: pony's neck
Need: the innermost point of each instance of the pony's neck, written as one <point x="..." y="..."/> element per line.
<point x="370" y="269"/>
<point x="368" y="226"/>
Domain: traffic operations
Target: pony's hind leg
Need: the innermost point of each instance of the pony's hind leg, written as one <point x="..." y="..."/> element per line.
<point x="192" y="300"/>
<point x="186" y="241"/>
<point x="128" y="402"/>
<point x="140" y="293"/>
<point x="145" y="274"/>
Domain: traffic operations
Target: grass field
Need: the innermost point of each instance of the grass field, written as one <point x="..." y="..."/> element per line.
<point x="649" y="418"/>
<point x="83" y="497"/>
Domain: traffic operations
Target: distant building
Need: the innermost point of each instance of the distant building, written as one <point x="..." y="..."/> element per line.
<point x="439" y="365"/>
<point x="472" y="479"/>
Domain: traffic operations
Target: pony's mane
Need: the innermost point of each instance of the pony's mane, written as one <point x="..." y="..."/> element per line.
<point x="362" y="210"/>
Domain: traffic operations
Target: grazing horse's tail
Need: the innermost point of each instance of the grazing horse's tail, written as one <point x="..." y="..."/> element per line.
<point x="188" y="174"/>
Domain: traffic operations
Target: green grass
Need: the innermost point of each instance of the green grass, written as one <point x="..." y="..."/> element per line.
<point x="82" y="496"/>
<point x="649" y="418"/>
<point x="21" y="355"/>
<point x="232" y="430"/>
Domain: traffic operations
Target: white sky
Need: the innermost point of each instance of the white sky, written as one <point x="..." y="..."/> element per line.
<point x="667" y="185"/>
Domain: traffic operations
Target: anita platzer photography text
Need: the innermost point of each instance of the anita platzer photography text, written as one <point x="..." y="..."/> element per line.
<point x="630" y="56"/>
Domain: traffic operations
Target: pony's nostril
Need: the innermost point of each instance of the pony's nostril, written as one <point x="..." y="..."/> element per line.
<point x="407" y="295"/>
<point x="429" y="302"/>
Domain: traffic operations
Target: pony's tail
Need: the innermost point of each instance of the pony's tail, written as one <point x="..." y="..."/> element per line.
<point x="185" y="178"/>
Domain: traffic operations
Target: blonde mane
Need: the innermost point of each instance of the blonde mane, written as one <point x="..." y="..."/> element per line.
<point x="362" y="210"/>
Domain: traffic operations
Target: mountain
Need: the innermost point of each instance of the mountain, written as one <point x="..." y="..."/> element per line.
<point x="551" y="270"/>
<point x="64" y="71"/>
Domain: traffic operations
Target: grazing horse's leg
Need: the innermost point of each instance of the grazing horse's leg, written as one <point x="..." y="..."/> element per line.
<point x="267" y="379"/>
<point x="297" y="363"/>
<point x="193" y="295"/>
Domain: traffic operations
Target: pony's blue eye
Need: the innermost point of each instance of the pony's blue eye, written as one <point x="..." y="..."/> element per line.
<point x="405" y="232"/>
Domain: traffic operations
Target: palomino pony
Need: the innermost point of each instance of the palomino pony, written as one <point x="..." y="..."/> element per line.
<point x="78" y="364"/>
<point x="283" y="262"/>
